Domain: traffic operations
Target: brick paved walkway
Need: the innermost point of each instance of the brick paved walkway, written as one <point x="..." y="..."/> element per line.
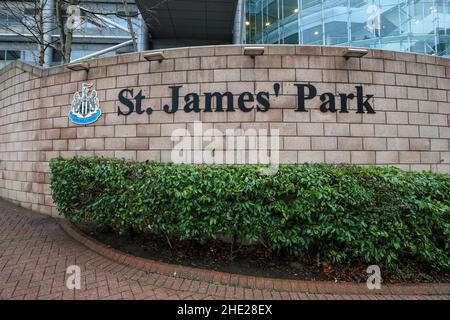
<point x="35" y="252"/>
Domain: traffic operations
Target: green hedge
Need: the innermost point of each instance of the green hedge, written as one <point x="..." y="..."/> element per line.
<point x="348" y="214"/>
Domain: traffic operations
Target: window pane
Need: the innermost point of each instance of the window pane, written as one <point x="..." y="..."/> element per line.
<point x="293" y="39"/>
<point x="405" y="25"/>
<point x="290" y="8"/>
<point x="12" y="55"/>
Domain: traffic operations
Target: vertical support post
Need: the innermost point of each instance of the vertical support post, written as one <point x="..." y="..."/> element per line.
<point x="143" y="35"/>
<point x="409" y="25"/>
<point x="280" y="34"/>
<point x="298" y="21"/>
<point x="237" y="30"/>
<point x="48" y="14"/>
<point x="323" y="24"/>
<point x="349" y="24"/>
<point x="435" y="26"/>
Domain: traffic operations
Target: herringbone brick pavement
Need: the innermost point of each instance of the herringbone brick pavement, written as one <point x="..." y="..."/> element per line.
<point x="35" y="253"/>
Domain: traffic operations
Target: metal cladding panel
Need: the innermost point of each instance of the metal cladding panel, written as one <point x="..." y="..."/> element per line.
<point x="189" y="19"/>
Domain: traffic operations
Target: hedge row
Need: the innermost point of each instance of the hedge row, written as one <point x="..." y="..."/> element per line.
<point x="348" y="214"/>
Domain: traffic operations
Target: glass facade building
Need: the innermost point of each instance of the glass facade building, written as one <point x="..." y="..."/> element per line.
<point x="408" y="25"/>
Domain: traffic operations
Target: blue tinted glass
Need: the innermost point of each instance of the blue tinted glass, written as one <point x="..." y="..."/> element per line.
<point x="12" y="55"/>
<point x="399" y="25"/>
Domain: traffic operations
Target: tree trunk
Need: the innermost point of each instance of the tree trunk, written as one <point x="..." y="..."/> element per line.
<point x="65" y="33"/>
<point x="69" y="38"/>
<point x="68" y="52"/>
<point x="42" y="46"/>
<point x="41" y="54"/>
<point x="61" y="30"/>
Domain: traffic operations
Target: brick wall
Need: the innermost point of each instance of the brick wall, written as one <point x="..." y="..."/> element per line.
<point x="410" y="128"/>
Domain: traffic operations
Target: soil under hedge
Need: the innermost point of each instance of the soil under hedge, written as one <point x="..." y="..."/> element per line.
<point x="254" y="260"/>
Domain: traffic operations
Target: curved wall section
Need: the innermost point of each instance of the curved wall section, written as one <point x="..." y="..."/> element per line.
<point x="409" y="94"/>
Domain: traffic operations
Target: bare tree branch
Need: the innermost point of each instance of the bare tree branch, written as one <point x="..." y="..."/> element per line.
<point x="33" y="24"/>
<point x="39" y="25"/>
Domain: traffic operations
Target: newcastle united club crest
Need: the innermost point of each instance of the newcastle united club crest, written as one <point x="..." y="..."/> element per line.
<point x="85" y="106"/>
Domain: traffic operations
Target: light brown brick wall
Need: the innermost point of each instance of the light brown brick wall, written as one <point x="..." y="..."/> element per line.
<point x="410" y="129"/>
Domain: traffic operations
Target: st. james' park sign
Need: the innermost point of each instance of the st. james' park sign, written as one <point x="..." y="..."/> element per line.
<point x="246" y="101"/>
<point x="85" y="108"/>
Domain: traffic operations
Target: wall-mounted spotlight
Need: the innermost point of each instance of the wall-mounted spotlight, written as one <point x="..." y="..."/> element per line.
<point x="154" y="56"/>
<point x="78" y="66"/>
<point x="253" y="51"/>
<point x="355" y="53"/>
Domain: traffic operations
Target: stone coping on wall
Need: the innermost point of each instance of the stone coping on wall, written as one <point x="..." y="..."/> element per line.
<point x="184" y="52"/>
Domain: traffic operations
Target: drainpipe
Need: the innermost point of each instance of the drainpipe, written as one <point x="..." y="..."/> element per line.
<point x="48" y="14"/>
<point x="237" y="30"/>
